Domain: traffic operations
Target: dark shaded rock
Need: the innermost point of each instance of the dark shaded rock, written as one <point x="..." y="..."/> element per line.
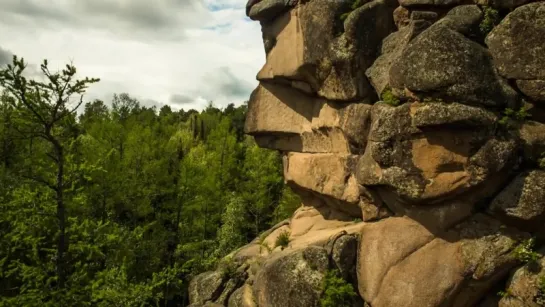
<point x="205" y="287"/>
<point x="535" y="89"/>
<point x="444" y="62"/>
<point x="522" y="202"/>
<point x="524" y="286"/>
<point x="532" y="135"/>
<point x="433" y="114"/>
<point x="518" y="43"/>
<point x="344" y="255"/>
<point x="266" y="10"/>
<point x="463" y="18"/>
<point x="292" y="279"/>
<point x="502" y="4"/>
<point x="424" y="15"/>
<point x="417" y="3"/>
<point x="392" y="48"/>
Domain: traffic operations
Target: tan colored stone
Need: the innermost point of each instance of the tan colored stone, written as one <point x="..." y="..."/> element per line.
<point x="288" y="35"/>
<point x="328" y="175"/>
<point x="383" y="244"/>
<point x="280" y="117"/>
<point x="403" y="264"/>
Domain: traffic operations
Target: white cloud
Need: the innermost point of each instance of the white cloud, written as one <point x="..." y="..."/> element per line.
<point x="203" y="50"/>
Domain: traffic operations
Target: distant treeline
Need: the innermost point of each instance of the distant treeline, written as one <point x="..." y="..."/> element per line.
<point x="122" y="205"/>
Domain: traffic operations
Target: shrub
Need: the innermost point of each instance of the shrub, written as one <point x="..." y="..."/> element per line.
<point x="283" y="239"/>
<point x="388" y="97"/>
<point x="228" y="268"/>
<point x="490" y="20"/>
<point x="524" y="251"/>
<point x="514" y="115"/>
<point x="336" y="291"/>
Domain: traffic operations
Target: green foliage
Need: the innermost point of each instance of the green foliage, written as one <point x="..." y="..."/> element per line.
<point x="504" y="294"/>
<point x="288" y="204"/>
<point x="388" y="97"/>
<point x="525" y="253"/>
<point x="490" y="20"/>
<point x="511" y="115"/>
<point x="336" y="292"/>
<point x="283" y="239"/>
<point x="228" y="268"/>
<point x="150" y="197"/>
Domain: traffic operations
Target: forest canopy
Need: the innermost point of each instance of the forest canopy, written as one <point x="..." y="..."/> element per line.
<point x="120" y="204"/>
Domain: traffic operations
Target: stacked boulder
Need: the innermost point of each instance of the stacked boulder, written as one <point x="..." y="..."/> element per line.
<point x="414" y="132"/>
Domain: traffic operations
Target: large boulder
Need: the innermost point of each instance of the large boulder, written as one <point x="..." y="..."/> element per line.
<point x="526" y="286"/>
<point x="206" y="287"/>
<point x="518" y="47"/>
<point x="305" y="46"/>
<point x="522" y="202"/>
<point x="283" y="118"/>
<point x="425" y="153"/>
<point x="401" y="263"/>
<point x="329" y="175"/>
<point x="293" y="279"/>
<point x="266" y="10"/>
<point x="443" y="62"/>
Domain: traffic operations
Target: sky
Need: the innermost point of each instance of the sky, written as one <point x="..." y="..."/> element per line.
<point x="183" y="53"/>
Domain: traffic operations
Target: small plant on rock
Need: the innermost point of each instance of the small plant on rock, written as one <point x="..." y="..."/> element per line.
<point x="504" y="294"/>
<point x="514" y="115"/>
<point x="283" y="239"/>
<point x="337" y="292"/>
<point x="228" y="268"/>
<point x="388" y="97"/>
<point x="490" y="20"/>
<point x="525" y="253"/>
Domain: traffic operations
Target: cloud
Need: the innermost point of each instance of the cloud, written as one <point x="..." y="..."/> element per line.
<point x="222" y="80"/>
<point x="178" y="99"/>
<point x="177" y="52"/>
<point x="163" y="18"/>
<point x="6" y="57"/>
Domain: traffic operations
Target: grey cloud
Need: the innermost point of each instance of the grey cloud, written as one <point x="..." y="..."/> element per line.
<point x="151" y="103"/>
<point x="135" y="17"/>
<point x="6" y="57"/>
<point x="178" y="99"/>
<point x="224" y="82"/>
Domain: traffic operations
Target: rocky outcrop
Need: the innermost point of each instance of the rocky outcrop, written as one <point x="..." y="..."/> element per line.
<point x="404" y="126"/>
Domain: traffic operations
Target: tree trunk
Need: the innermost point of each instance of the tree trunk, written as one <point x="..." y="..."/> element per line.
<point x="61" y="214"/>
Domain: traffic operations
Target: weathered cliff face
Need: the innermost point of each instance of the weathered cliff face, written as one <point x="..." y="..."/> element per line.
<point x="405" y="127"/>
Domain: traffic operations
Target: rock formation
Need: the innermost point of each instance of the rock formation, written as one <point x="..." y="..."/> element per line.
<point x="414" y="132"/>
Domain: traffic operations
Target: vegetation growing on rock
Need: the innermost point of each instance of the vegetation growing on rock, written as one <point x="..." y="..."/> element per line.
<point x="336" y="291"/>
<point x="283" y="239"/>
<point x="490" y="20"/>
